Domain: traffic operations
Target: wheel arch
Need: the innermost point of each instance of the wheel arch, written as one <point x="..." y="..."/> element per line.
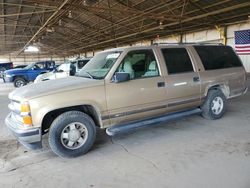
<point x="222" y="86"/>
<point x="88" y="109"/>
<point x="20" y="76"/>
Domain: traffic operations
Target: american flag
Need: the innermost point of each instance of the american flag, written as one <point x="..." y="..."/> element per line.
<point x="242" y="42"/>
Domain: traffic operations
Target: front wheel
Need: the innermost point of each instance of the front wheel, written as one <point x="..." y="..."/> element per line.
<point x="19" y="82"/>
<point x="215" y="105"/>
<point x="72" y="134"/>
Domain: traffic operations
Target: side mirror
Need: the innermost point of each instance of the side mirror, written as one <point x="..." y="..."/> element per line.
<point x="60" y="70"/>
<point x="121" y="77"/>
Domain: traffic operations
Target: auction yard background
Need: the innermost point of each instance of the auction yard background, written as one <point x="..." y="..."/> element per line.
<point x="211" y="35"/>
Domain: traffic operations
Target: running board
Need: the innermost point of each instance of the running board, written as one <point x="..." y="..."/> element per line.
<point x="123" y="128"/>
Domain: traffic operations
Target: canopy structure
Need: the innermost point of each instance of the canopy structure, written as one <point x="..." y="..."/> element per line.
<point x="66" y="27"/>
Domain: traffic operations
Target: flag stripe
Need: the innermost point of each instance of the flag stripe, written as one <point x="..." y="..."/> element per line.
<point x="242" y="46"/>
<point x="242" y="42"/>
<point x="244" y="53"/>
<point x="242" y="50"/>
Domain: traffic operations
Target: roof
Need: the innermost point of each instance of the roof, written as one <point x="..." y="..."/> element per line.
<point x="67" y="27"/>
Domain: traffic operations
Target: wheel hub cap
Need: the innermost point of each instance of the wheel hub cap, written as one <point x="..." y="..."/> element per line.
<point x="217" y="105"/>
<point x="19" y="83"/>
<point x="74" y="135"/>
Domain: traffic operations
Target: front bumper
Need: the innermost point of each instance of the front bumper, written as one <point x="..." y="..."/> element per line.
<point x="30" y="138"/>
<point x="7" y="78"/>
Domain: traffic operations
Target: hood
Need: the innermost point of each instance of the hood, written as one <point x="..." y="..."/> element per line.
<point x="15" y="71"/>
<point x="52" y="86"/>
<point x="40" y="77"/>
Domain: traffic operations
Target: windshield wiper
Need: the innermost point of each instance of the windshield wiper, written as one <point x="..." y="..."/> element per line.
<point x="89" y="75"/>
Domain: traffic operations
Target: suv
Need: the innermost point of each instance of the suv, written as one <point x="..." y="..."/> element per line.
<point x="63" y="70"/>
<point x="123" y="89"/>
<point x="21" y="77"/>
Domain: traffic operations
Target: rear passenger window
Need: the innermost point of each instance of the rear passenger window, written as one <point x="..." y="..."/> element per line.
<point x="177" y="60"/>
<point x="217" y="57"/>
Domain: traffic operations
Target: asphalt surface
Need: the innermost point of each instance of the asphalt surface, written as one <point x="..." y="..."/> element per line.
<point x="191" y="153"/>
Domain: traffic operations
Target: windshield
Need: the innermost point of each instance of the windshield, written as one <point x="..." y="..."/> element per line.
<point x="99" y="66"/>
<point x="37" y="65"/>
<point x="29" y="66"/>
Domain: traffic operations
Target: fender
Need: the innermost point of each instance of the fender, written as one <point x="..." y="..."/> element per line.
<point x="41" y="111"/>
<point x="224" y="86"/>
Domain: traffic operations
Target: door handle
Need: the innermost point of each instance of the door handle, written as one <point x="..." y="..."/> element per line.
<point x="196" y="79"/>
<point x="161" y="84"/>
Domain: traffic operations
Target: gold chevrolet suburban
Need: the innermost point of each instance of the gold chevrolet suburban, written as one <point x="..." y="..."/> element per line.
<point x="123" y="89"/>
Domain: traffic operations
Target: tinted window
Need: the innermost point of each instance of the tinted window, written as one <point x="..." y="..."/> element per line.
<point x="82" y="63"/>
<point x="139" y="63"/>
<point x="177" y="60"/>
<point x="218" y="57"/>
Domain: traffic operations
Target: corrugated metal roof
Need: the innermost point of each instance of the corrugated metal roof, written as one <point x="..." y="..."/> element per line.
<point x="67" y="27"/>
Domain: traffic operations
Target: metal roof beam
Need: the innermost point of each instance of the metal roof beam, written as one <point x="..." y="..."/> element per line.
<point x="44" y="25"/>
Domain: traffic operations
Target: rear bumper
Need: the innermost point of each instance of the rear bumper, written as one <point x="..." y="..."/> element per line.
<point x="30" y="138"/>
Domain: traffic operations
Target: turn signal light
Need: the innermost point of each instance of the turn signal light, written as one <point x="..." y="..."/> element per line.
<point x="25" y="113"/>
<point x="27" y="120"/>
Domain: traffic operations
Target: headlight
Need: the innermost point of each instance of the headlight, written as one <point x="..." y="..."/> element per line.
<point x="8" y="75"/>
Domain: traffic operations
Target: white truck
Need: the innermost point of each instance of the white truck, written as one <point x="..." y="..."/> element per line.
<point x="64" y="70"/>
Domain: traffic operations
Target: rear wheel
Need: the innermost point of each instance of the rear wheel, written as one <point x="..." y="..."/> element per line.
<point x="19" y="82"/>
<point x="215" y="105"/>
<point x="72" y="134"/>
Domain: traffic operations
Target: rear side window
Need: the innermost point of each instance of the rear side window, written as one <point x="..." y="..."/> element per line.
<point x="217" y="57"/>
<point x="177" y="60"/>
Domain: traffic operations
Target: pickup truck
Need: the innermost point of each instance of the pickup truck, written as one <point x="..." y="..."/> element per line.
<point x="64" y="70"/>
<point x="21" y="77"/>
<point x="124" y="89"/>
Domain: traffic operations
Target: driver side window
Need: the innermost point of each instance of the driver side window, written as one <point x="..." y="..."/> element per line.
<point x="139" y="64"/>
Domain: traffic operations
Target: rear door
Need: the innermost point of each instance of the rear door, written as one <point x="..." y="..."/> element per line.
<point x="182" y="81"/>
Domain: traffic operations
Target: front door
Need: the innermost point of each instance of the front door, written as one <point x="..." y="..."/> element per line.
<point x="143" y="96"/>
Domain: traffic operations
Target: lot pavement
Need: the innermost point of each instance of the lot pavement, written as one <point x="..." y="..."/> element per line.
<point x="191" y="153"/>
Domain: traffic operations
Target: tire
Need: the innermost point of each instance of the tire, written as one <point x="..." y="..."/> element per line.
<point x="19" y="82"/>
<point x="72" y="126"/>
<point x="215" y="105"/>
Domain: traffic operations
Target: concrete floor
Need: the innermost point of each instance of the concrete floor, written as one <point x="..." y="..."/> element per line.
<point x="190" y="153"/>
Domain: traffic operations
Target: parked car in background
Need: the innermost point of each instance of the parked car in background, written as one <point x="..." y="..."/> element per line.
<point x="3" y="67"/>
<point x="80" y="63"/>
<point x="63" y="70"/>
<point x="124" y="89"/>
<point x="21" y="77"/>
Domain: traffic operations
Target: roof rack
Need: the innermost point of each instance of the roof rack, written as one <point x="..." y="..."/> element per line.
<point x="189" y="43"/>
